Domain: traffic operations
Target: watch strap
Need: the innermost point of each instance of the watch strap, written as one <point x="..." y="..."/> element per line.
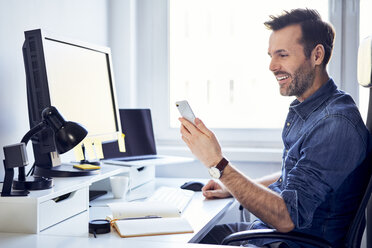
<point x="222" y="164"/>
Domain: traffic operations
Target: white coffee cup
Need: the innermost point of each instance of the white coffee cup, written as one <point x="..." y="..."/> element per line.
<point x="119" y="186"/>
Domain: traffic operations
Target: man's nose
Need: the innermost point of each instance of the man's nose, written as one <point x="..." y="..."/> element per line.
<point x="274" y="65"/>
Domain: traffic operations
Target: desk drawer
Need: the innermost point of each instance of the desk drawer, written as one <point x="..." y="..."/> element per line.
<point x="75" y="226"/>
<point x="60" y="208"/>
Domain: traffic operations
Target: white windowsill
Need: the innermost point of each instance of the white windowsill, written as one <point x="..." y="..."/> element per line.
<point x="266" y="155"/>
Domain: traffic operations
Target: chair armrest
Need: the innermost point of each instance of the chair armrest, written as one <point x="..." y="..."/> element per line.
<point x="273" y="234"/>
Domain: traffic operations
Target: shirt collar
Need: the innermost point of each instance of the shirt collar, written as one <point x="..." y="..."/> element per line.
<point x="305" y="108"/>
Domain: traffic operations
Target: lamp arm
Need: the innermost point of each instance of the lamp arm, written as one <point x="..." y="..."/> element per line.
<point x="26" y="138"/>
<point x="33" y="131"/>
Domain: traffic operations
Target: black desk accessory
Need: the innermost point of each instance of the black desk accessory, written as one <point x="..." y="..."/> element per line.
<point x="99" y="226"/>
<point x="192" y="185"/>
<point x="66" y="135"/>
<point x="15" y="157"/>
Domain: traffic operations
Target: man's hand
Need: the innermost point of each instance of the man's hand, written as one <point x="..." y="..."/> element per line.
<point x="214" y="190"/>
<point x="201" y="141"/>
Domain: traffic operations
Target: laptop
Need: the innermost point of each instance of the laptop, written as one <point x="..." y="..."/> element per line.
<point x="140" y="144"/>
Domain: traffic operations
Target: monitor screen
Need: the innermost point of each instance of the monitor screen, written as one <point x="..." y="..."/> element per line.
<point x="80" y="86"/>
<point x="76" y="78"/>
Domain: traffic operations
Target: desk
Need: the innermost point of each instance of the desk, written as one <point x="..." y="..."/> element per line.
<point x="43" y="241"/>
<point x="202" y="215"/>
<point x="42" y="211"/>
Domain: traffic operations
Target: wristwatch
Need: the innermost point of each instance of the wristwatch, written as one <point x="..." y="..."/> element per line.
<point x="216" y="171"/>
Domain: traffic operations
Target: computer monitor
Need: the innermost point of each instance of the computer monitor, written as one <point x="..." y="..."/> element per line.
<point x="76" y="78"/>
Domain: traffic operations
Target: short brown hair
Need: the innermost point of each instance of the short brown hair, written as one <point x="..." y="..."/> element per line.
<point x="314" y="30"/>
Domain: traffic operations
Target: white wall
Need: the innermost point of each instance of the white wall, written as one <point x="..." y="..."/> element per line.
<point x="122" y="40"/>
<point x="85" y="20"/>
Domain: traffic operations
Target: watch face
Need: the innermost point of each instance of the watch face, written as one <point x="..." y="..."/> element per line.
<point x="214" y="172"/>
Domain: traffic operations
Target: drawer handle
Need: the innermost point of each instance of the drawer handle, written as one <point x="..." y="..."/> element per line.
<point x="63" y="197"/>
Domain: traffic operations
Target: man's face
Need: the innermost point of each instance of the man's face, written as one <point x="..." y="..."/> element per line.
<point x="293" y="71"/>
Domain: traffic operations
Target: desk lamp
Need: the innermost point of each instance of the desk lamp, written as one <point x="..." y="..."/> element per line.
<point x="67" y="135"/>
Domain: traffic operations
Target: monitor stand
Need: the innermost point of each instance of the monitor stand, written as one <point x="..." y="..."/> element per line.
<point x="84" y="161"/>
<point x="33" y="183"/>
<point x="63" y="170"/>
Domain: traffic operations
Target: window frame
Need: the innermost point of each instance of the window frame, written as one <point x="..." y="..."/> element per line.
<point x="152" y="78"/>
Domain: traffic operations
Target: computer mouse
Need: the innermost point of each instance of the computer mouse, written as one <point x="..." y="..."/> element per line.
<point x="192" y="185"/>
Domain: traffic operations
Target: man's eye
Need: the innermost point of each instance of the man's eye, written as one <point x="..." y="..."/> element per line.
<point x="283" y="55"/>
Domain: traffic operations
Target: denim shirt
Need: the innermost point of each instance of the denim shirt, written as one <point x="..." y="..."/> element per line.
<point x="323" y="177"/>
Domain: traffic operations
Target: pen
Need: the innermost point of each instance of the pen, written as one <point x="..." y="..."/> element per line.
<point x="140" y="218"/>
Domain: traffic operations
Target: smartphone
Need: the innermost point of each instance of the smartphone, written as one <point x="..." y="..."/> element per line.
<point x="185" y="111"/>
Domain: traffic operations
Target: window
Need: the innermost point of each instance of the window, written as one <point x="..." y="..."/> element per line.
<point x="218" y="61"/>
<point x="233" y="92"/>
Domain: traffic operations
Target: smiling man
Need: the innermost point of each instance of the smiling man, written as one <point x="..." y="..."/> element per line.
<point x="296" y="61"/>
<point x="325" y="141"/>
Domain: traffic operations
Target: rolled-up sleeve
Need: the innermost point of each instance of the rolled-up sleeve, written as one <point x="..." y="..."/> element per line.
<point x="290" y="198"/>
<point x="328" y="153"/>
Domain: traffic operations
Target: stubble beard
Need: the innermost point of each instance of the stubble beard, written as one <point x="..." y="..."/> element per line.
<point x="303" y="79"/>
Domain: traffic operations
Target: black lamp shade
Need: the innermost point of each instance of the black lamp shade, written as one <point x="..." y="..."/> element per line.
<point x="68" y="136"/>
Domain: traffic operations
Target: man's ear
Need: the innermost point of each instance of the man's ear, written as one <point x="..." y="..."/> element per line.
<point x="317" y="54"/>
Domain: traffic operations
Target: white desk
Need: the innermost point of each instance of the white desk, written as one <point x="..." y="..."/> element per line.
<point x="202" y="215"/>
<point x="45" y="241"/>
<point x="40" y="211"/>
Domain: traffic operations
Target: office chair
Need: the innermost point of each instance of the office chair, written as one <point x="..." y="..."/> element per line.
<point x="355" y="232"/>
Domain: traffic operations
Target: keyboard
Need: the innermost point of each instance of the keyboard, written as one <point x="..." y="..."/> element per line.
<point x="176" y="196"/>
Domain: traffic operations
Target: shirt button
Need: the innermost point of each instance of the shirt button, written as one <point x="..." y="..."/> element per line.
<point x="288" y="124"/>
<point x="280" y="180"/>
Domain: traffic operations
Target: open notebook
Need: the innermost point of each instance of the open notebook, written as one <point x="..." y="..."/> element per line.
<point x="140" y="144"/>
<point x="134" y="219"/>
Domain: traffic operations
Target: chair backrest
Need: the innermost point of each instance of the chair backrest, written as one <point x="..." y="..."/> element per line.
<point x="356" y="230"/>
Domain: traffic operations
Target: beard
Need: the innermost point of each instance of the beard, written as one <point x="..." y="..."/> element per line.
<point x="303" y="79"/>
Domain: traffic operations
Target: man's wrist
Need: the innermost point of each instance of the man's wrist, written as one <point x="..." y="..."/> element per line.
<point x="215" y="162"/>
<point x="217" y="170"/>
